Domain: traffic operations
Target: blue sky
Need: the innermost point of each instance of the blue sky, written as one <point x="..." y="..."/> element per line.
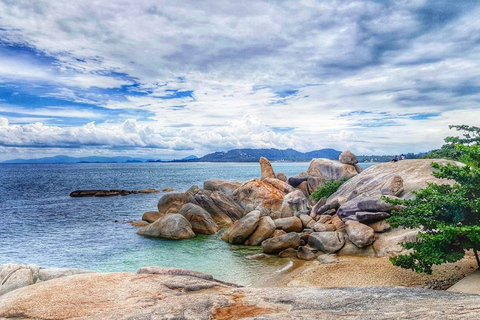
<point x="173" y="78"/>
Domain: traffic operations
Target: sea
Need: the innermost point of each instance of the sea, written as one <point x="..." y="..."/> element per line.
<point x="41" y="224"/>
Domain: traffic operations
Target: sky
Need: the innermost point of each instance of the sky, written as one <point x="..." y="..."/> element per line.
<point x="167" y="79"/>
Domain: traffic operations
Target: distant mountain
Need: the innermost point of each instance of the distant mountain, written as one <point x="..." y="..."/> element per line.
<point x="253" y="155"/>
<point x="192" y="157"/>
<point x="67" y="159"/>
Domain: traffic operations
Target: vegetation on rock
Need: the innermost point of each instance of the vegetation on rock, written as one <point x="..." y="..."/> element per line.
<point x="329" y="188"/>
<point x="447" y="215"/>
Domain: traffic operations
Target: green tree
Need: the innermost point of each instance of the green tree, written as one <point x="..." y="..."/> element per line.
<point x="447" y="215"/>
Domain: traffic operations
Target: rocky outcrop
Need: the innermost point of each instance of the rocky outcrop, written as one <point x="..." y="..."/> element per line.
<point x="307" y="253"/>
<point x="109" y="193"/>
<point x="281" y="176"/>
<point x="331" y="170"/>
<point x="328" y="242"/>
<point x="265" y="229"/>
<point x="290" y="224"/>
<point x="347" y="157"/>
<point x="170" y="226"/>
<point x="255" y="193"/>
<point x="266" y="169"/>
<point x="224" y="186"/>
<point x="172" y="202"/>
<point x="15" y="276"/>
<point x="185" y="295"/>
<point x="393" y="187"/>
<point x="200" y="220"/>
<point x="280" y="243"/>
<point x="242" y="229"/>
<point x="280" y="185"/>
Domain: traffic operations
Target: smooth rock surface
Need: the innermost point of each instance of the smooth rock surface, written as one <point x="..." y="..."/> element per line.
<point x="200" y="219"/>
<point x="289" y="224"/>
<point x="331" y="170"/>
<point x="170" y="226"/>
<point x="360" y="234"/>
<point x="152" y="216"/>
<point x="242" y="229"/>
<point x="280" y="243"/>
<point x="294" y="203"/>
<point x="265" y="229"/>
<point x="347" y="157"/>
<point x="225" y="186"/>
<point x="256" y="193"/>
<point x="328" y="242"/>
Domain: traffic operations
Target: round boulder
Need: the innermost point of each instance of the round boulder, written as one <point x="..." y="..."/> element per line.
<point x="242" y="229"/>
<point x="290" y="224"/>
<point x="328" y="242"/>
<point x="347" y="157"/>
<point x="170" y="226"/>
<point x="265" y="229"/>
<point x="199" y="218"/>
<point x="152" y="216"/>
<point x="360" y="234"/>
<point x="280" y="243"/>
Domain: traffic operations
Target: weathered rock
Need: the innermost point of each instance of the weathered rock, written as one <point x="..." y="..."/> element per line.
<point x="280" y="185"/>
<point x="393" y="187"/>
<point x="223" y="209"/>
<point x="266" y="169"/>
<point x="322" y="227"/>
<point x="255" y="193"/>
<point x="347" y="157"/>
<point x="296" y="181"/>
<point x="280" y="243"/>
<point x="380" y="226"/>
<point x="242" y="229"/>
<point x="320" y="203"/>
<point x="416" y="174"/>
<point x="281" y="176"/>
<point x="325" y="219"/>
<point x="264" y="230"/>
<point x="328" y="242"/>
<point x="288" y="253"/>
<point x="172" y="202"/>
<point x="289" y="224"/>
<point x="152" y="216"/>
<point x="258" y="256"/>
<point x="375" y="205"/>
<point x="333" y="205"/>
<point x="327" y="258"/>
<point x="368" y="217"/>
<point x="388" y="243"/>
<point x="349" y="249"/>
<point x="348" y="210"/>
<point x="109" y="193"/>
<point x="305" y="188"/>
<point x="359" y="234"/>
<point x="138" y="223"/>
<point x="168" y="189"/>
<point x="307" y="253"/>
<point x="14" y="276"/>
<point x="307" y="221"/>
<point x="224" y="186"/>
<point x="278" y="233"/>
<point x="331" y="170"/>
<point x="170" y="226"/>
<point x="314" y="182"/>
<point x="199" y="218"/>
<point x="294" y="203"/>
<point x="338" y="223"/>
<point x="46" y="274"/>
<point x="121" y="296"/>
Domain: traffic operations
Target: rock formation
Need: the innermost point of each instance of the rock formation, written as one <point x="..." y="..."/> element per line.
<point x="170" y="226"/>
<point x="266" y="169"/>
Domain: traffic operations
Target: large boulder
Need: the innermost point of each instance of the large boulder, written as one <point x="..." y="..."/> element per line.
<point x="388" y="243"/>
<point x="225" y="186"/>
<point x="369" y="217"/>
<point x="152" y="216"/>
<point x="188" y="295"/>
<point x="328" y="242"/>
<point x="294" y="203"/>
<point x="361" y="204"/>
<point x="280" y="243"/>
<point x="347" y="157"/>
<point x="170" y="226"/>
<point x="256" y="193"/>
<point x="242" y="229"/>
<point x="360" y="234"/>
<point x="265" y="229"/>
<point x="172" y="202"/>
<point x="266" y="169"/>
<point x="289" y="224"/>
<point x="416" y="174"/>
<point x="393" y="187"/>
<point x="199" y="218"/>
<point x="14" y="276"/>
<point x="331" y="170"/>
<point x="223" y="209"/>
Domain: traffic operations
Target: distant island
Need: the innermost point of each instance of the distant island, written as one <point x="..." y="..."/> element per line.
<point x="235" y="155"/>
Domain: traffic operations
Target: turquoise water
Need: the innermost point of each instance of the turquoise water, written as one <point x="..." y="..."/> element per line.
<point x="41" y="224"/>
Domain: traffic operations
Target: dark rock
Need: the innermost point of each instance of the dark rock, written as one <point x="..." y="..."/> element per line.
<point x="280" y="243"/>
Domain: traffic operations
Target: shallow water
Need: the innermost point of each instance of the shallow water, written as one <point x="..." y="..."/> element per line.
<point x="41" y="224"/>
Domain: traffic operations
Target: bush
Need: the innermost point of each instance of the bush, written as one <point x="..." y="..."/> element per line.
<point x="329" y="188"/>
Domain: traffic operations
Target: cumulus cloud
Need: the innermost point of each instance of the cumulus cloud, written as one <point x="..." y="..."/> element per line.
<point x="373" y="76"/>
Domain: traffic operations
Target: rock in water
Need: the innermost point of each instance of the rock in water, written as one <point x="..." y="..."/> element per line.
<point x="221" y="207"/>
<point x="393" y="187"/>
<point x="360" y="234"/>
<point x="328" y="242"/>
<point x="242" y="229"/>
<point x="266" y="169"/>
<point x="152" y="216"/>
<point x="264" y="230"/>
<point x="172" y="202"/>
<point x="280" y="243"/>
<point x="170" y="226"/>
<point x="200" y="219"/>
<point x="289" y="224"/>
<point x="347" y="157"/>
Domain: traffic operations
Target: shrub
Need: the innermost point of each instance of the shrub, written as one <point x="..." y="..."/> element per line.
<point x="329" y="188"/>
